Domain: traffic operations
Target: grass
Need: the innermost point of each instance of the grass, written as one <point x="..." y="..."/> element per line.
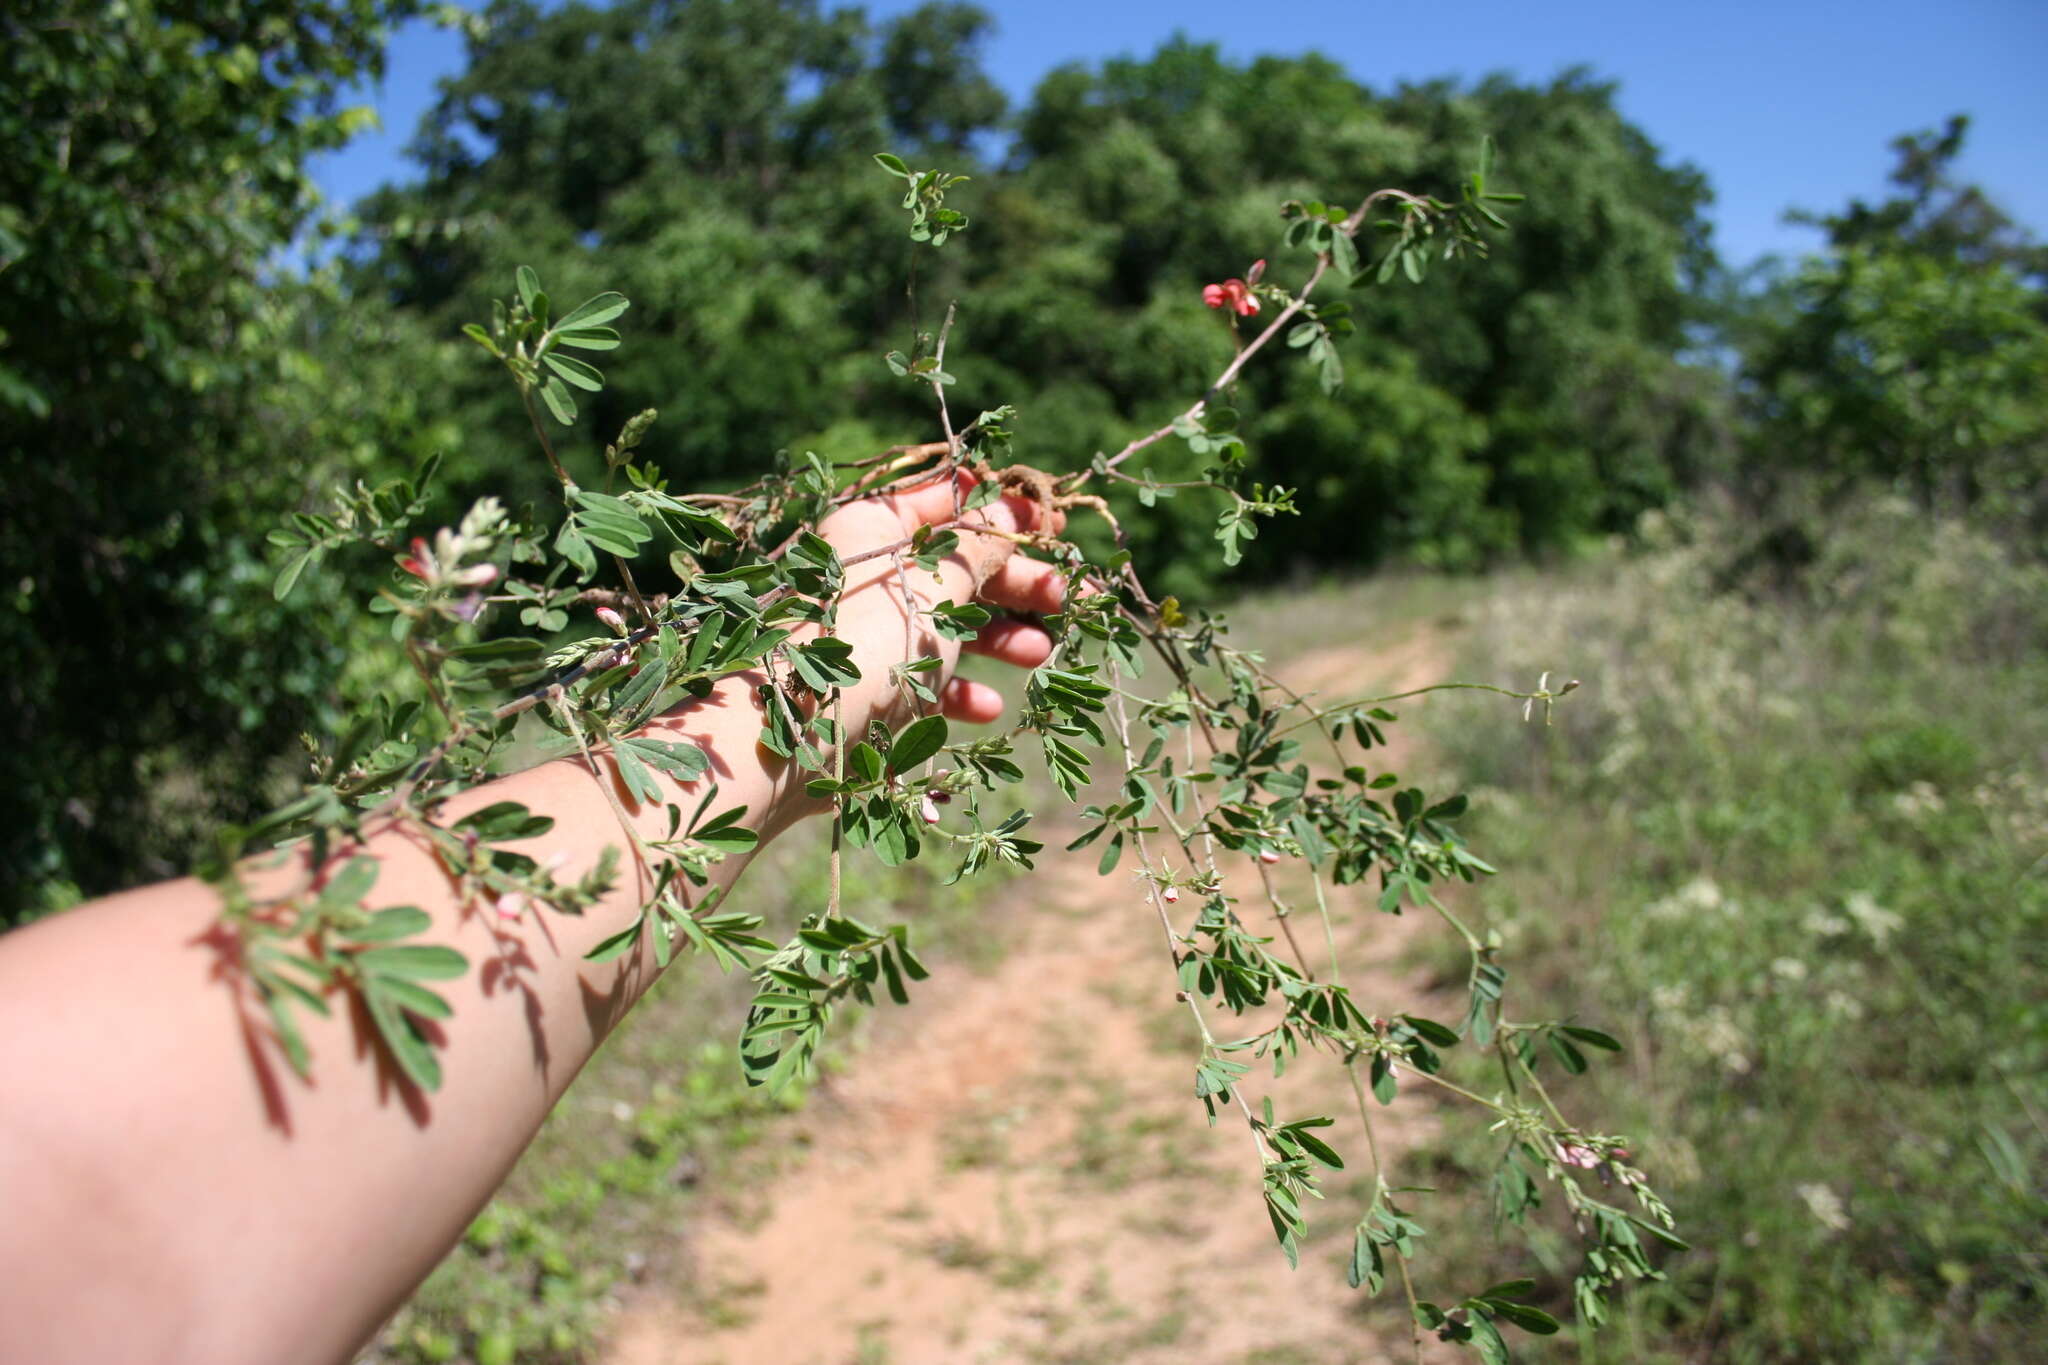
<point x="1791" y="847"/>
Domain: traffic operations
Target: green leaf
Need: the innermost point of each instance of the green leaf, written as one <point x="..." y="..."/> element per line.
<point x="724" y="832"/>
<point x="399" y="921"/>
<point x="1366" y="1270"/>
<point x="1431" y="1031"/>
<point x="1569" y="1057"/>
<point x="1522" y="1315"/>
<point x="288" y="577"/>
<point x="590" y="339"/>
<point x="570" y="545"/>
<point x="1492" y="1349"/>
<point x="559" y="402"/>
<point x="351" y="883"/>
<point x="825" y="664"/>
<point x="865" y="763"/>
<point x="505" y="820"/>
<point x="639" y="782"/>
<point x="1320" y="1150"/>
<point x="415" y="998"/>
<point x="616" y="944"/>
<point x="404" y="1041"/>
<point x="288" y="1035"/>
<point x="917" y="742"/>
<point x="583" y="376"/>
<point x="1594" y="1037"/>
<point x="417" y="961"/>
<point x="613" y="539"/>
<point x="678" y="760"/>
<point x="892" y="164"/>
<point x="596" y="309"/>
<point x="529" y="285"/>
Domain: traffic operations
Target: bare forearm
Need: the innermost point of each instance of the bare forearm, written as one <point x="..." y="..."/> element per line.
<point x="153" y="1145"/>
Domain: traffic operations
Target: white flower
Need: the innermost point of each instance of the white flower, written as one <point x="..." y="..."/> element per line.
<point x="1872" y="918"/>
<point x="1825" y="1206"/>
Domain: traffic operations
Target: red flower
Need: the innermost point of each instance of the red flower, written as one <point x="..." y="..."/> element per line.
<point x="419" y="563"/>
<point x="1236" y="293"/>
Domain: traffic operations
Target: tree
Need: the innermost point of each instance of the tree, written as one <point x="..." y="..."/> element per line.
<point x="1910" y="355"/>
<point x="155" y="169"/>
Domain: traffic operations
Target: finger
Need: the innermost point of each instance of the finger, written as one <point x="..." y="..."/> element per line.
<point x="973" y="702"/>
<point x="1012" y="642"/>
<point x="944" y="499"/>
<point x="1023" y="584"/>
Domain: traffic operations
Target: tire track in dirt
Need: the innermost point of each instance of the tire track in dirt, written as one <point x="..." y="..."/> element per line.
<point x="1017" y="1170"/>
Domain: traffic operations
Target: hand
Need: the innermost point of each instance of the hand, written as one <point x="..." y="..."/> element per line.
<point x="885" y="631"/>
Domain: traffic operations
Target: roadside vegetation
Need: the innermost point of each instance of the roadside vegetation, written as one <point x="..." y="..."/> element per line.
<point x="1789" y="838"/>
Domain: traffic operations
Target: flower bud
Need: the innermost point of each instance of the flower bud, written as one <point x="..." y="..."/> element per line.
<point x="1269" y="856"/>
<point x="928" y="811"/>
<point x="612" y="619"/>
<point x="1169" y="894"/>
<point x="1258" y="269"/>
<point x="476" y="576"/>
<point x="1573" y="1154"/>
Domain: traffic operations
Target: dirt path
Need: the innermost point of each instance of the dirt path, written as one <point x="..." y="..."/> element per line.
<point x="1017" y="1169"/>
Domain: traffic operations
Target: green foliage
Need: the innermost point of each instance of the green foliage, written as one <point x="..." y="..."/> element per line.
<point x="1800" y="839"/>
<point x="1516" y="408"/>
<point x="158" y="408"/>
<point x="1909" y="357"/>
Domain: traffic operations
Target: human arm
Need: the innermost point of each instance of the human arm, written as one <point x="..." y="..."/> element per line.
<point x="167" y="1195"/>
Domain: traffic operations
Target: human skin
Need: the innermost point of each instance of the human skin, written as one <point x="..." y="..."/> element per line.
<point x="168" y="1194"/>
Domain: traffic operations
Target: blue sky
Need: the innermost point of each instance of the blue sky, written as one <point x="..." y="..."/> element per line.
<point x="1788" y="104"/>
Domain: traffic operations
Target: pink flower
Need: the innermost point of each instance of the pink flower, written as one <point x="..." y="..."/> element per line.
<point x="1236" y="293"/>
<point x="512" y="905"/>
<point x="1268" y="856"/>
<point x="420" y="563"/>
<point x="1169" y="894"/>
<point x="1573" y="1154"/>
<point x="928" y="811"/>
<point x="612" y="619"/>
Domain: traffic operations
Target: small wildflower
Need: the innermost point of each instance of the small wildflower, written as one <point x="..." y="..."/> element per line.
<point x="1233" y="293"/>
<point x="513" y="906"/>
<point x="1577" y="1154"/>
<point x="928" y="811"/>
<point x="611" y="618"/>
<point x="1825" y="1206"/>
<point x="420" y="563"/>
<point x="1169" y="894"/>
<point x="1268" y="856"/>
